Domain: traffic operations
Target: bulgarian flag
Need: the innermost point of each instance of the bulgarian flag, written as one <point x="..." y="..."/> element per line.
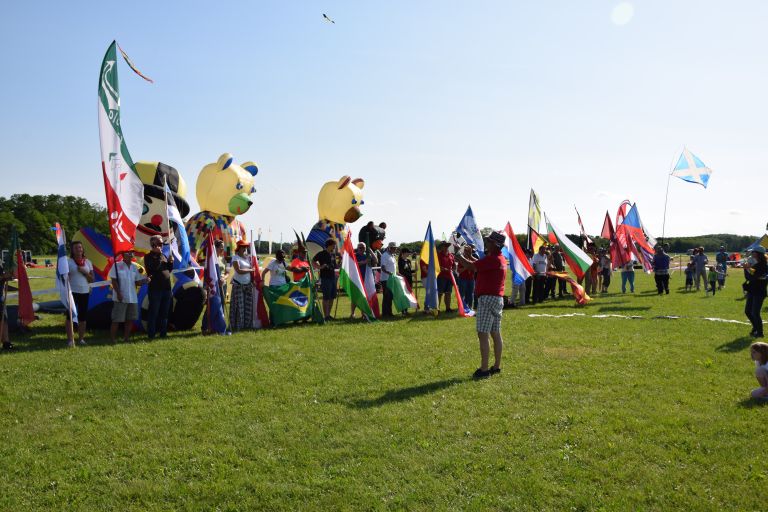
<point x="578" y="261"/>
<point x="402" y="296"/>
<point x="350" y="279"/>
<point x="123" y="187"/>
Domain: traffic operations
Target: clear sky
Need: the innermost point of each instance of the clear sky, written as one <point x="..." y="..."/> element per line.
<point x="436" y="104"/>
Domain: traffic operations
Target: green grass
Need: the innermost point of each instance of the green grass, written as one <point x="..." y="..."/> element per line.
<point x="588" y="414"/>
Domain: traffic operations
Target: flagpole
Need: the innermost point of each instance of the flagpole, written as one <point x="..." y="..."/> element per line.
<point x="69" y="309"/>
<point x="666" y="199"/>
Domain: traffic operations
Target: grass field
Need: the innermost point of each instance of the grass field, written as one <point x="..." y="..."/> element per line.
<point x="587" y="414"/>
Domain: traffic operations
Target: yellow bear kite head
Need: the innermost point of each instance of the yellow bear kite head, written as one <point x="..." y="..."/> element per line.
<point x="225" y="187"/>
<point x="340" y="201"/>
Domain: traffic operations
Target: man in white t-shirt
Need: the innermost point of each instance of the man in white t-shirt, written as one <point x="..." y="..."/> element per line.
<point x="540" y="262"/>
<point x="125" y="277"/>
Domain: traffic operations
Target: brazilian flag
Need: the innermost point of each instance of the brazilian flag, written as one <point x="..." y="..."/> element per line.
<point x="291" y="301"/>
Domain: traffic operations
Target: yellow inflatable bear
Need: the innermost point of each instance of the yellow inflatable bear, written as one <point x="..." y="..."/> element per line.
<point x="223" y="192"/>
<point x="338" y="204"/>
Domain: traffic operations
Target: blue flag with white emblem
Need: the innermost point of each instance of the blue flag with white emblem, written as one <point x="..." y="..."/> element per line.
<point x="691" y="169"/>
<point x="468" y="229"/>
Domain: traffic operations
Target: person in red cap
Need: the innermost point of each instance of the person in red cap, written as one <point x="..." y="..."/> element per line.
<point x="489" y="289"/>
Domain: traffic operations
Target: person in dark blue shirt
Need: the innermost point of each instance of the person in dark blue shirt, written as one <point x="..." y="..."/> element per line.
<point x="661" y="270"/>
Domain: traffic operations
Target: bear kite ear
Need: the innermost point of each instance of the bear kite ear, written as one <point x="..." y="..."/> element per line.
<point x="251" y="168"/>
<point x="343" y="182"/>
<point x="359" y="182"/>
<point x="224" y="161"/>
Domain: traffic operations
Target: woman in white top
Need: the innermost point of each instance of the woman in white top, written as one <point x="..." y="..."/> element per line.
<point x="80" y="279"/>
<point x="278" y="269"/>
<point x="241" y="298"/>
<point x="759" y="353"/>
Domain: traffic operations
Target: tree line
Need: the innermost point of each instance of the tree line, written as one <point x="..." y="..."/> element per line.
<point x="34" y="216"/>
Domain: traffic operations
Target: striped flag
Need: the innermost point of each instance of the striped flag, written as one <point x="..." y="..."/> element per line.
<point x="123" y="187"/>
<point x="429" y="258"/>
<point x="578" y="261"/>
<point x="133" y="66"/>
<point x="350" y="280"/>
<point x="370" y="291"/>
<point x="402" y="296"/>
<point x="62" y="273"/>
<point x="518" y="261"/>
<point x="584" y="237"/>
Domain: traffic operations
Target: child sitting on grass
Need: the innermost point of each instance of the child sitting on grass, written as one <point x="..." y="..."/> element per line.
<point x="759" y="353"/>
<point x="712" y="278"/>
<point x="689" y="277"/>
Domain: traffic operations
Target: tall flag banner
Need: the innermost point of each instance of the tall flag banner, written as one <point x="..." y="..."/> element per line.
<point x="62" y="273"/>
<point x="578" y="261"/>
<point x="633" y="228"/>
<point x="179" y="242"/>
<point x="214" y="316"/>
<point x="317" y="313"/>
<point x="260" y="315"/>
<point x="518" y="261"/>
<point x="351" y="281"/>
<point x="429" y="257"/>
<point x="468" y="229"/>
<point x="370" y="291"/>
<point x="291" y="301"/>
<point x="402" y="295"/>
<point x="122" y="185"/>
<point x="584" y="237"/>
<point x="133" y="66"/>
<point x="620" y="256"/>
<point x="534" y="219"/>
<point x="17" y="267"/>
<point x="691" y="169"/>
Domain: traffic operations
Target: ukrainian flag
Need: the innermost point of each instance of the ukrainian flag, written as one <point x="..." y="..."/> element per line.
<point x="290" y="302"/>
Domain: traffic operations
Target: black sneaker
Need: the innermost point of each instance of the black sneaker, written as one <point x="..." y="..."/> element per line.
<point x="481" y="374"/>
<point x="493" y="370"/>
<point x="8" y="346"/>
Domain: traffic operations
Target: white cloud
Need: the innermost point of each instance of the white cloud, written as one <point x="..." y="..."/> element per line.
<point x="622" y="13"/>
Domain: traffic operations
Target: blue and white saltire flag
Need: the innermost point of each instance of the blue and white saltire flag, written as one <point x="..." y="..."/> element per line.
<point x="468" y="229"/>
<point x="62" y="273"/>
<point x="691" y="169"/>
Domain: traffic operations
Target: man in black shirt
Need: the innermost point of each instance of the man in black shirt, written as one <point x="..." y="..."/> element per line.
<point x="158" y="269"/>
<point x="325" y="261"/>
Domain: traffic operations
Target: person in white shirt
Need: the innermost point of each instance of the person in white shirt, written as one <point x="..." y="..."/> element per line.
<point x="388" y="267"/>
<point x="241" y="298"/>
<point x="80" y="279"/>
<point x="759" y="353"/>
<point x="125" y="277"/>
<point x="279" y="269"/>
<point x="540" y="262"/>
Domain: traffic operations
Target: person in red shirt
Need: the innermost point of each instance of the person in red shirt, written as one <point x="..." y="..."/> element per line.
<point x="444" y="283"/>
<point x="489" y="290"/>
<point x="300" y="263"/>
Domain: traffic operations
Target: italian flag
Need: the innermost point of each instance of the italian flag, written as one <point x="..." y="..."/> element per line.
<point x="123" y="187"/>
<point x="350" y="279"/>
<point x="578" y="261"/>
<point x="402" y="297"/>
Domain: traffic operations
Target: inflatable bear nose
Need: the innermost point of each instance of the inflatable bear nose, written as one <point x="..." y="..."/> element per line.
<point x="250" y="203"/>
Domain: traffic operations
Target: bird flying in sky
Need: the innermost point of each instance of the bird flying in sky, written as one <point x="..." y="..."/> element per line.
<point x="326" y="18"/>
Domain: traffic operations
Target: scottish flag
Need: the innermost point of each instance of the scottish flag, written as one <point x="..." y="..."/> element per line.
<point x="691" y="169"/>
<point x="468" y="229"/>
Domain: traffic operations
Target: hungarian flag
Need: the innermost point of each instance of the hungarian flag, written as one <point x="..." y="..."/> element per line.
<point x="351" y="281"/>
<point x="123" y="187"/>
<point x="402" y="296"/>
<point x="260" y="315"/>
<point x="19" y="270"/>
<point x="578" y="261"/>
<point x="518" y="261"/>
<point x="291" y="301"/>
<point x="428" y="257"/>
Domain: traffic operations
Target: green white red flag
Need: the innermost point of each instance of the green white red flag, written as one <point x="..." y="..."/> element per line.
<point x="402" y="296"/>
<point x="351" y="281"/>
<point x="122" y="185"/>
<point x="578" y="261"/>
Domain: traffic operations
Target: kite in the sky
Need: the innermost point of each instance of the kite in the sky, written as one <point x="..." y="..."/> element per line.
<point x="326" y="18"/>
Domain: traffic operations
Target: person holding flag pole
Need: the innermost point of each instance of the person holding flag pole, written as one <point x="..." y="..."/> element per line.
<point x="4" y="278"/>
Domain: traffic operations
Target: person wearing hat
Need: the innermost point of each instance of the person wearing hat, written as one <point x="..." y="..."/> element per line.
<point x="755" y="271"/>
<point x="159" y="270"/>
<point x="325" y="261"/>
<point x="299" y="263"/>
<point x="444" y="283"/>
<point x="404" y="267"/>
<point x="540" y="264"/>
<point x="125" y="277"/>
<point x="491" y="272"/>
<point x="241" y="298"/>
<point x="388" y="267"/>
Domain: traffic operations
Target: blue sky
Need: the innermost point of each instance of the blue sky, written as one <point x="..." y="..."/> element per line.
<point x="436" y="104"/>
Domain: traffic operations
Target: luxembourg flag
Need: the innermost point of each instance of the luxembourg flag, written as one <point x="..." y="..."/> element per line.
<point x="62" y="273"/>
<point x="691" y="169"/>
<point x="518" y="261"/>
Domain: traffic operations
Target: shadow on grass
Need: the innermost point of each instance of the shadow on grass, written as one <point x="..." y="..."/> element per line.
<point x="622" y="308"/>
<point x="736" y="345"/>
<point x="403" y="394"/>
<point x="751" y="403"/>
